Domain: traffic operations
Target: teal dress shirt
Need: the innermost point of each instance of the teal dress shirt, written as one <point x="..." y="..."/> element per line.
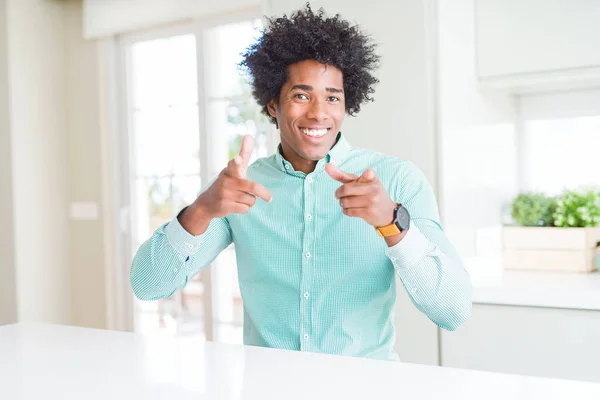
<point x="311" y="278"/>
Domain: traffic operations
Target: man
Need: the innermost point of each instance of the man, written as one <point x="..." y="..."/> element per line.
<point x="320" y="227"/>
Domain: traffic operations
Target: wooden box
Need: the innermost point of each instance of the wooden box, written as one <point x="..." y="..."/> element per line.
<point x="550" y="248"/>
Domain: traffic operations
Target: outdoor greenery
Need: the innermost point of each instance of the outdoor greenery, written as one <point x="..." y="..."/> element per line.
<point x="246" y="117"/>
<point x="573" y="208"/>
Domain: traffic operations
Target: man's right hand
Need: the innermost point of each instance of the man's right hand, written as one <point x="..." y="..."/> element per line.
<point x="230" y="193"/>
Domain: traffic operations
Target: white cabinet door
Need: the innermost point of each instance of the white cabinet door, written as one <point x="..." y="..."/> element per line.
<point x="547" y="342"/>
<point x="515" y="37"/>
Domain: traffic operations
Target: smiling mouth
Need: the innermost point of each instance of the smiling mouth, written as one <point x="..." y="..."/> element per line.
<point x="316" y="133"/>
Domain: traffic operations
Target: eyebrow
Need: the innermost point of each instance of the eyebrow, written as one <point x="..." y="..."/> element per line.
<point x="308" y="88"/>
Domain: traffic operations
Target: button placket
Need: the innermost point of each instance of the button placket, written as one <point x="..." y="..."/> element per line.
<point x="307" y="263"/>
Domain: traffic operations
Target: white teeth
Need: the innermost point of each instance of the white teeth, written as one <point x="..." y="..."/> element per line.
<point x="314" y="132"/>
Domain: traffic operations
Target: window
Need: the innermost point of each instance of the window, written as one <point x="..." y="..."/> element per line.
<point x="552" y="145"/>
<point x="184" y="121"/>
<point x="165" y="155"/>
<point x="561" y="142"/>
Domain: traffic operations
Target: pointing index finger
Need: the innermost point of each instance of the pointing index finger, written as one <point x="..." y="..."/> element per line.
<point x="255" y="188"/>
<point x="339" y="175"/>
<point x="246" y="150"/>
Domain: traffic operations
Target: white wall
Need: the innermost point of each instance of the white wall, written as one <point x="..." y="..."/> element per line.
<point x="85" y="170"/>
<point x="36" y="62"/>
<point x="400" y="122"/>
<point x="51" y="269"/>
<point x="8" y="298"/>
<point x="108" y="17"/>
<point x="477" y="134"/>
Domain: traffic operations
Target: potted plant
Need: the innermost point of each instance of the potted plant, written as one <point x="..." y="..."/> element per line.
<point x="553" y="233"/>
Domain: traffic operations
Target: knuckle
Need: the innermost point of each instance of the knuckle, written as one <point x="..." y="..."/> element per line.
<point x="223" y="183"/>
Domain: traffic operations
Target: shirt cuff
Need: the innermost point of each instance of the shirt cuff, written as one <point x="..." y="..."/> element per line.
<point x="410" y="250"/>
<point x="182" y="241"/>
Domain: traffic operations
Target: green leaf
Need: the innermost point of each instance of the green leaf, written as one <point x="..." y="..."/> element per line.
<point x="533" y="209"/>
<point x="578" y="209"/>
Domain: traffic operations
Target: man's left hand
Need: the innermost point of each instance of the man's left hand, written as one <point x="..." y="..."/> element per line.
<point x="363" y="196"/>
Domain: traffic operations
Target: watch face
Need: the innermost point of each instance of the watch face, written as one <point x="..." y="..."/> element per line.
<point x="402" y="218"/>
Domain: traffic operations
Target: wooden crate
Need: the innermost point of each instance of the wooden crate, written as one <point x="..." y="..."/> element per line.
<point x="550" y="248"/>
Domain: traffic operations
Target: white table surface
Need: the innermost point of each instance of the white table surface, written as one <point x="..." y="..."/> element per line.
<point x="49" y="362"/>
<point x="494" y="285"/>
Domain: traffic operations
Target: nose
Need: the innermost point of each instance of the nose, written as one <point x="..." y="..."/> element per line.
<point x="317" y="111"/>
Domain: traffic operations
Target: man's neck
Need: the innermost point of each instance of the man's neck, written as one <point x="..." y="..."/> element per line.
<point x="299" y="164"/>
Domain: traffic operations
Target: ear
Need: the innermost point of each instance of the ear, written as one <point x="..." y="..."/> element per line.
<point x="272" y="108"/>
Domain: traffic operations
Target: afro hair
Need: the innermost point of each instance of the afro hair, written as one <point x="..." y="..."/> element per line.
<point x="306" y="35"/>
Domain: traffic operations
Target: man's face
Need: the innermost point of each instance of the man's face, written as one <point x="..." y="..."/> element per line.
<point x="310" y="111"/>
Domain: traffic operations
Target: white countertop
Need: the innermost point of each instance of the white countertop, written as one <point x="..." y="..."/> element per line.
<point x="494" y="285"/>
<point x="52" y="362"/>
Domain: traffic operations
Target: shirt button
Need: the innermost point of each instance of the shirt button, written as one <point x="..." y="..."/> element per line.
<point x="393" y="259"/>
<point x="307" y="254"/>
<point x="174" y="269"/>
<point x="414" y="290"/>
<point x="308" y="217"/>
<point x="306" y="295"/>
<point x="309" y="179"/>
<point x="287" y="166"/>
<point x="190" y="246"/>
<point x="306" y="336"/>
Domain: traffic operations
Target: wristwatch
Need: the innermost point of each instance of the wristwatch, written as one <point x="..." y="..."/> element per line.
<point x="400" y="223"/>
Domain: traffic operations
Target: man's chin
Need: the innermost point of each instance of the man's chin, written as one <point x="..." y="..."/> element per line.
<point x="314" y="156"/>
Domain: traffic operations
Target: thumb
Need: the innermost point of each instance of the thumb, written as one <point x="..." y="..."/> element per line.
<point x="339" y="175"/>
<point x="368" y="176"/>
<point x="236" y="168"/>
<point x="246" y="150"/>
<point x="238" y="165"/>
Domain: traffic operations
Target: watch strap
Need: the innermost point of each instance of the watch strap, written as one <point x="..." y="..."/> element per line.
<point x="391" y="229"/>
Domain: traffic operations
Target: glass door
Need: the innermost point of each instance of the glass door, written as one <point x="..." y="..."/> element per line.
<point x="185" y="119"/>
<point x="164" y="162"/>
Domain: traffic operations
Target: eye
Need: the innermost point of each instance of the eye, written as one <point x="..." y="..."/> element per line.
<point x="301" y="96"/>
<point x="333" y="99"/>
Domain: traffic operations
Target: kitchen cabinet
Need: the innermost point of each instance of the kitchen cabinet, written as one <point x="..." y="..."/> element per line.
<point x="529" y="43"/>
<point x="536" y="341"/>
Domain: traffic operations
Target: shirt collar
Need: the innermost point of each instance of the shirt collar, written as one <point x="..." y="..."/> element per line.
<point x="338" y="153"/>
